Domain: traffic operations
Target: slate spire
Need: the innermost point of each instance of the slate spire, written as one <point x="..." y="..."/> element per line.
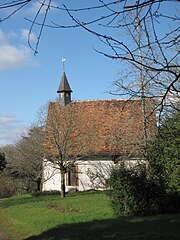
<point x="64" y="91"/>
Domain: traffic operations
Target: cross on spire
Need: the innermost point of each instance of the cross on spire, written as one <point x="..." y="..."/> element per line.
<point x="63" y="61"/>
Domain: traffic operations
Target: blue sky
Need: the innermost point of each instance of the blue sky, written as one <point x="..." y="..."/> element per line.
<point x="28" y="81"/>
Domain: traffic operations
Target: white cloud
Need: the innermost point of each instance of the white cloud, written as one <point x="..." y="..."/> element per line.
<point x="25" y="35"/>
<point x="13" y="56"/>
<point x="10" y="128"/>
<point x="6" y="119"/>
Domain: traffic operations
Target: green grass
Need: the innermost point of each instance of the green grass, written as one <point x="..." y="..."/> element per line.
<point x="81" y="216"/>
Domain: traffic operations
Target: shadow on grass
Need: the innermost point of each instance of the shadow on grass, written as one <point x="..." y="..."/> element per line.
<point x="159" y="227"/>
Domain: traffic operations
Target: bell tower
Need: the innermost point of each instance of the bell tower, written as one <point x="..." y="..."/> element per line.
<point x="64" y="91"/>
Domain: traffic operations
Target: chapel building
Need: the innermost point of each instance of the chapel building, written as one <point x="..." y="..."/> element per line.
<point x="90" y="136"/>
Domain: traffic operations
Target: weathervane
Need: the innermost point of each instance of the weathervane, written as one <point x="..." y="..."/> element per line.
<point x="63" y="60"/>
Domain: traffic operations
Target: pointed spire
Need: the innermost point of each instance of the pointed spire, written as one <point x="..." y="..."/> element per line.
<point x="64" y="91"/>
<point x="64" y="84"/>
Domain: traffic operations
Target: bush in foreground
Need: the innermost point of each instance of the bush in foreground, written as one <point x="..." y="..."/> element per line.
<point x="135" y="193"/>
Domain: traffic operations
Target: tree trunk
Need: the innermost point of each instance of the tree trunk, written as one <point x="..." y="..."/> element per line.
<point x="39" y="184"/>
<point x="63" y="185"/>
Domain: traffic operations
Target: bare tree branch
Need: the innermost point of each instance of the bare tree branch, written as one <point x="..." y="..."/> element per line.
<point x="110" y="22"/>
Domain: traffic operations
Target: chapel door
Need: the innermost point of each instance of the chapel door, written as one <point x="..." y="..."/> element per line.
<point x="72" y="176"/>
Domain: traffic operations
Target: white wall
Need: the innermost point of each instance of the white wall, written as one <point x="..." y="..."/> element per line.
<point x="91" y="175"/>
<point x="51" y="177"/>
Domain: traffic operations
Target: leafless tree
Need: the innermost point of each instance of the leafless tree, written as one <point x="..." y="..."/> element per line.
<point x="41" y="115"/>
<point x="64" y="142"/>
<point x="29" y="154"/>
<point x="24" y="160"/>
<point x="30" y="150"/>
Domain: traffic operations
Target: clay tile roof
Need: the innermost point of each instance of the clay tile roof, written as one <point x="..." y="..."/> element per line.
<point x="98" y="127"/>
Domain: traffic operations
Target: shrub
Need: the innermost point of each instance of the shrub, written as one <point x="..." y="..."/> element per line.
<point x="164" y="151"/>
<point x="133" y="192"/>
<point x="46" y="193"/>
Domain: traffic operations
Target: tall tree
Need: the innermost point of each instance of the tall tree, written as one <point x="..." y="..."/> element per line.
<point x="10" y="184"/>
<point x="24" y="159"/>
<point x="30" y="154"/>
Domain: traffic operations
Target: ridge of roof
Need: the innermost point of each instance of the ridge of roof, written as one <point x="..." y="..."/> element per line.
<point x="107" y="100"/>
<point x="101" y="100"/>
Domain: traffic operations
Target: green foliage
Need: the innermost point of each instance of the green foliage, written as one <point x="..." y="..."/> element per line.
<point x="135" y="193"/>
<point x="164" y="152"/>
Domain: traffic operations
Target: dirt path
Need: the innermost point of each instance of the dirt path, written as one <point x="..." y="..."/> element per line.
<point x="3" y="236"/>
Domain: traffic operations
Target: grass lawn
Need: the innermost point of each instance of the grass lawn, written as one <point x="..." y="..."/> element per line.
<point x="80" y="216"/>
